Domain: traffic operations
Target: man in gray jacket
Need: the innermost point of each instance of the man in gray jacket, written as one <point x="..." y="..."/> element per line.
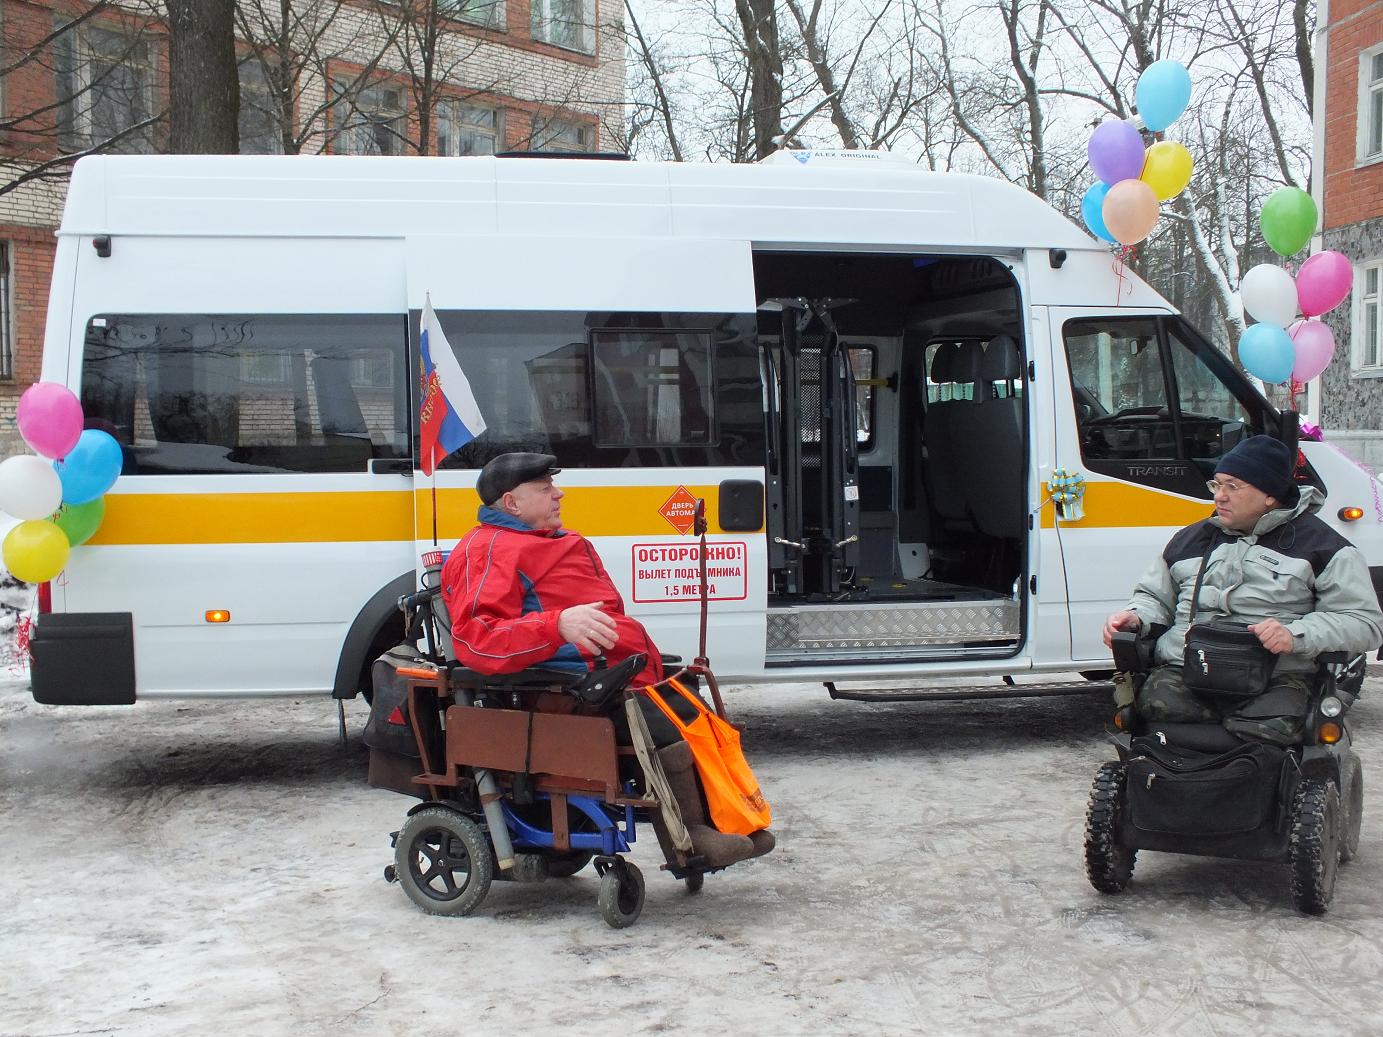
<point x="1269" y="562"/>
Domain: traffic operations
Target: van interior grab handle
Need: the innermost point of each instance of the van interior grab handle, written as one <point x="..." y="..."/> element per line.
<point x="790" y="543"/>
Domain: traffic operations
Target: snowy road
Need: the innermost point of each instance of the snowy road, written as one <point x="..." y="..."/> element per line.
<point x="173" y="868"/>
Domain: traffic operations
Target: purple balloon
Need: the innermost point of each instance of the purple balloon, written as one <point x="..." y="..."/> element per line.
<point x="1323" y="282"/>
<point x="1315" y="348"/>
<point x="50" y="419"/>
<point x="1116" y="151"/>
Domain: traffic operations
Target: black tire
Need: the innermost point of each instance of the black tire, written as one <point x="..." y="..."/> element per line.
<point x="695" y="880"/>
<point x="565" y="865"/>
<point x="1108" y="864"/>
<point x="1351" y="806"/>
<point x="443" y="861"/>
<point x="1314" y="848"/>
<point x="621" y="894"/>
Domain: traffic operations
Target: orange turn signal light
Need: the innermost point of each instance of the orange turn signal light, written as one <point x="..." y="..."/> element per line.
<point x="1118" y="720"/>
<point x="218" y="615"/>
<point x="1330" y="732"/>
<point x="1351" y="514"/>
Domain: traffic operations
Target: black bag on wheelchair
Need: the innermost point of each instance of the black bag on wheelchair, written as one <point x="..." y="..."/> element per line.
<point x="388" y="734"/>
<point x="1181" y="791"/>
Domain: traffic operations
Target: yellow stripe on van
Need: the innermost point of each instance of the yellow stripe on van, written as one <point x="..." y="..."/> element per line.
<point x="1118" y="504"/>
<point x="338" y="516"/>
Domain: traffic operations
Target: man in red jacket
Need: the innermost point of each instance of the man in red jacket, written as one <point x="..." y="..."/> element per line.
<point x="522" y="591"/>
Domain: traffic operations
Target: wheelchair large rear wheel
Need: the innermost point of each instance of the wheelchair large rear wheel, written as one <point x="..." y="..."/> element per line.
<point x="442" y="860"/>
<point x="1351" y="805"/>
<point x="1314" y="849"/>
<point x="1108" y="863"/>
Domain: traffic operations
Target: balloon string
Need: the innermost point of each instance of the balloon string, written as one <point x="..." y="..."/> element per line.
<point x="1124" y="254"/>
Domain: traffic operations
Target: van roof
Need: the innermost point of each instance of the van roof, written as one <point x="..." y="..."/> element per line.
<point x="859" y="204"/>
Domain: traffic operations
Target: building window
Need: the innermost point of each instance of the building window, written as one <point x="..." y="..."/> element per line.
<point x="487" y="13"/>
<point x="1368" y="326"/>
<point x="1371" y="105"/>
<point x="372" y="122"/>
<point x="261" y="130"/>
<point x="6" y="315"/>
<point x="565" y="23"/>
<point x="105" y="89"/>
<point x="559" y="135"/>
<point x="466" y="129"/>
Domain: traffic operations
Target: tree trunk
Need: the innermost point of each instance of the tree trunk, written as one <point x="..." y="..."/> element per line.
<point x="204" y="90"/>
<point x="765" y="60"/>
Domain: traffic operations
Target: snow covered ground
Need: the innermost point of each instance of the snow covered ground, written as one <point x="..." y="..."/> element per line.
<point x="171" y="868"/>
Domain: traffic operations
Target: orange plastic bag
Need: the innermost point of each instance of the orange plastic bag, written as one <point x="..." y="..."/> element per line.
<point x="736" y="805"/>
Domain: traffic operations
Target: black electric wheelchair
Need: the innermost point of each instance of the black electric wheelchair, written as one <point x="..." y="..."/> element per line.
<point x="1200" y="789"/>
<point x="533" y="775"/>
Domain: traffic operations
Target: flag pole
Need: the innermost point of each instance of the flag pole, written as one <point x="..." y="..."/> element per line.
<point x="427" y="308"/>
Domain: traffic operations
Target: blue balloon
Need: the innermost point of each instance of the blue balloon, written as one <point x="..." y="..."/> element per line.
<point x="1092" y="208"/>
<point x="1163" y="91"/>
<point x="90" y="468"/>
<point x="1267" y="352"/>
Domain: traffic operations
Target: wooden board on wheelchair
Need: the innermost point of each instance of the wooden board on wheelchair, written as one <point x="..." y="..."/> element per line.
<point x="566" y="753"/>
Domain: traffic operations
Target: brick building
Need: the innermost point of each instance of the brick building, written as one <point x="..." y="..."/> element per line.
<point x="1349" y="190"/>
<point x="507" y="75"/>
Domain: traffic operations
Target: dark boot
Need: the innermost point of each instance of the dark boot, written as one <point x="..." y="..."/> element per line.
<point x="718" y="848"/>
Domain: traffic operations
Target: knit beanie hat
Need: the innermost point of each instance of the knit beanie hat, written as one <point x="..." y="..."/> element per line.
<point x="1263" y="462"/>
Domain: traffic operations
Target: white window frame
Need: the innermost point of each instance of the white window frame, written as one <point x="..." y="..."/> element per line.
<point x="459" y="115"/>
<point x="356" y="118"/>
<point x="488" y="14"/>
<point x="1367" y="149"/>
<point x="7" y="311"/>
<point x="85" y="90"/>
<point x="251" y="72"/>
<point x="1367" y="319"/>
<point x="546" y="28"/>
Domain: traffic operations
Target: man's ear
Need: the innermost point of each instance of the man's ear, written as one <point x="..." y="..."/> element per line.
<point x="508" y="503"/>
<point x="1273" y="502"/>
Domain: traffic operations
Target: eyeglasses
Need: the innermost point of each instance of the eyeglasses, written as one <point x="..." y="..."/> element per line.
<point x="1215" y="486"/>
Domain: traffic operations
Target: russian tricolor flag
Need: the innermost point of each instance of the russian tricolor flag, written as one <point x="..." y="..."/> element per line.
<point x="450" y="417"/>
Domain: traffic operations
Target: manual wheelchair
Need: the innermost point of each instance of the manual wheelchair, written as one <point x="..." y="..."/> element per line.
<point x="532" y="775"/>
<point x="1199" y="789"/>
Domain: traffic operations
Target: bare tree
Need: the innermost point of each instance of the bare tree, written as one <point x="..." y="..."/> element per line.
<point x="204" y="89"/>
<point x="763" y="73"/>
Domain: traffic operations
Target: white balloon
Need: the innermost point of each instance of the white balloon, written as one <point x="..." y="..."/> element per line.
<point x="29" y="488"/>
<point x="1269" y="295"/>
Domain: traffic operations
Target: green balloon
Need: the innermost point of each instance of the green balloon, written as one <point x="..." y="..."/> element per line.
<point x="80" y="521"/>
<point x="1288" y="220"/>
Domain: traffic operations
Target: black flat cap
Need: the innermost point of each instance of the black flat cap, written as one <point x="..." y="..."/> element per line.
<point x="506" y="471"/>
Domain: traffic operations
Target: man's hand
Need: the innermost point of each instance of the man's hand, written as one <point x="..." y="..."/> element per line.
<point x="1125" y="620"/>
<point x="1273" y="636"/>
<point x="587" y="627"/>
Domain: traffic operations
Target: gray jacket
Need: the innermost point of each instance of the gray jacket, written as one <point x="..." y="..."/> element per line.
<point x="1293" y="568"/>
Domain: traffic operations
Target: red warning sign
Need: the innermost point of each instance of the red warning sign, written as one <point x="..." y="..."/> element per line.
<point x="680" y="510"/>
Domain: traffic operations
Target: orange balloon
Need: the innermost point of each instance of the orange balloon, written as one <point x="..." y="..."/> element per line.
<point x="1130" y="211"/>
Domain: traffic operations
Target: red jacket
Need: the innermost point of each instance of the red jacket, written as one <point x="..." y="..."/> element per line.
<point x="505" y="586"/>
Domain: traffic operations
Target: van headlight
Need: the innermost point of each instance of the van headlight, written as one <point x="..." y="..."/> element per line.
<point x="1331" y="706"/>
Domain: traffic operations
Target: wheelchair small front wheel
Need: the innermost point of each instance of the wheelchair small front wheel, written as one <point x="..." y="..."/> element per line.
<point x="442" y="860"/>
<point x="1314" y="848"/>
<point x="621" y="893"/>
<point x="1108" y="863"/>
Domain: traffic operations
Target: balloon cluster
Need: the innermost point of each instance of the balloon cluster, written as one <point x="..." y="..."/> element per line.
<point x="1279" y="346"/>
<point x="1134" y="181"/>
<point x="59" y="494"/>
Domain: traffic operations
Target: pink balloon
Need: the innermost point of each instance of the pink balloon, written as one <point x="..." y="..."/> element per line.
<point x="50" y="419"/>
<point x="1130" y="211"/>
<point x="1323" y="282"/>
<point x="1315" y="348"/>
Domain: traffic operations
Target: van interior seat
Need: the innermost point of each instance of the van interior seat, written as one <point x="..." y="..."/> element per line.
<point x="944" y="486"/>
<point x="990" y="439"/>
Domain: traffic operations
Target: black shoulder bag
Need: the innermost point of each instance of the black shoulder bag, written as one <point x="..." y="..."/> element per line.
<point x="1223" y="657"/>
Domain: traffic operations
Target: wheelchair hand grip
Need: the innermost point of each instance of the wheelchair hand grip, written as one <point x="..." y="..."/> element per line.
<point x="412" y="601"/>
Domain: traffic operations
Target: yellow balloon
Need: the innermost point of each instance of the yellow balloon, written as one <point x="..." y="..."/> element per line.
<point x="35" y="551"/>
<point x="1167" y="169"/>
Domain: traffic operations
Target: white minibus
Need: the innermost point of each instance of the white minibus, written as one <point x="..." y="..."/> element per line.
<point x="869" y="372"/>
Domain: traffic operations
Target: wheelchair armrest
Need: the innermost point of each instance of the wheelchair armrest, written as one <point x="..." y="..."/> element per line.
<point x="539" y="677"/>
<point x="1133" y="652"/>
<point x="600" y="686"/>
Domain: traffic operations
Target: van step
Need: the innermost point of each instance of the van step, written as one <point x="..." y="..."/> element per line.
<point x="871" y="631"/>
<point x="943" y="692"/>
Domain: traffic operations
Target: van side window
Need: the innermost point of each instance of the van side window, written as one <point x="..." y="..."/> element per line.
<point x="197" y="394"/>
<point x="652" y="388"/>
<point x="1155" y="404"/>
